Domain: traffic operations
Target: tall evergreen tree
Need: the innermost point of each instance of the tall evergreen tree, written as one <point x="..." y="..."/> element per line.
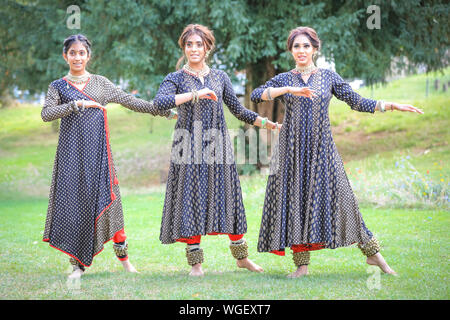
<point x="136" y="41"/>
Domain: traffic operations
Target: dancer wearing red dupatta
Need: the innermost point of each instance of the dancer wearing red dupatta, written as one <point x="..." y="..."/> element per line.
<point x="85" y="208"/>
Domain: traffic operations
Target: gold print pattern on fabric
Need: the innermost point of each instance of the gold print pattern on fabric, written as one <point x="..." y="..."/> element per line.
<point x="309" y="198"/>
<point x="203" y="197"/>
<point x="103" y="91"/>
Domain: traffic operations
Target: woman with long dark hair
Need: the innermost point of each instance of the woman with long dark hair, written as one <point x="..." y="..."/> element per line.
<point x="85" y="209"/>
<point x="309" y="203"/>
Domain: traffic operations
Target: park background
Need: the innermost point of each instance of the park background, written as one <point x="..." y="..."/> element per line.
<point x="398" y="163"/>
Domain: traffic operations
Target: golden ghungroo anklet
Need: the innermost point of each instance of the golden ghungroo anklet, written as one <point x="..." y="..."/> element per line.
<point x="121" y="249"/>
<point x="301" y="258"/>
<point x="370" y="248"/>
<point x="239" y="251"/>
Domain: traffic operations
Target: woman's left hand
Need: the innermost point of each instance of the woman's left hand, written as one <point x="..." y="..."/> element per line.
<point x="207" y="93"/>
<point x="405" y="107"/>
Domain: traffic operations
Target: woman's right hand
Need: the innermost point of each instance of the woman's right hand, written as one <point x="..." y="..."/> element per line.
<point x="206" y="93"/>
<point x="274" y="125"/>
<point x="90" y="104"/>
<point x="302" y="92"/>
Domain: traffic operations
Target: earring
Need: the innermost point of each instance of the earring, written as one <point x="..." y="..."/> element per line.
<point x="207" y="54"/>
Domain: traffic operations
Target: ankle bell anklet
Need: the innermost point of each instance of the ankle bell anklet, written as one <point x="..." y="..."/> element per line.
<point x="239" y="251"/>
<point x="301" y="258"/>
<point x="76" y="265"/>
<point x="370" y="248"/>
<point x="194" y="256"/>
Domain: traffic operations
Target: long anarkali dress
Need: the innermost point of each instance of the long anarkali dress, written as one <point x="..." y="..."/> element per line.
<point x="203" y="193"/>
<point x="85" y="209"/>
<point x="309" y="201"/>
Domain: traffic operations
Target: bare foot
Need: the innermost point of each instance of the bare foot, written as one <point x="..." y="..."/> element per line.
<point x="249" y="265"/>
<point x="77" y="273"/>
<point x="300" y="272"/>
<point x="128" y="266"/>
<point x="378" y="260"/>
<point x="196" y="270"/>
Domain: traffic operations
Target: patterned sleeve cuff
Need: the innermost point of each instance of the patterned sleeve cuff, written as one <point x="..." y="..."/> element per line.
<point x="248" y="116"/>
<point x="367" y="105"/>
<point x="165" y="102"/>
<point x="257" y="94"/>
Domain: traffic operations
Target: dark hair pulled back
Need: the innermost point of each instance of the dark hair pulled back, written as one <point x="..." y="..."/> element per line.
<point x="77" y="38"/>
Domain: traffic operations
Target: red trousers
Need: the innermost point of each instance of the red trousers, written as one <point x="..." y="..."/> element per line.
<point x="300" y="248"/>
<point x="197" y="239"/>
<point x="119" y="236"/>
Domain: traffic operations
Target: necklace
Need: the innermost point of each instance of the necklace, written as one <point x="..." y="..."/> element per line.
<point x="78" y="79"/>
<point x="202" y="73"/>
<point x="306" y="70"/>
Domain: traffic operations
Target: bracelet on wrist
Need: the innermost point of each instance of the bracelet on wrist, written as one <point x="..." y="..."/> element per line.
<point x="381" y="106"/>
<point x="264" y="123"/>
<point x="269" y="97"/>
<point x="172" y="114"/>
<point x="195" y="97"/>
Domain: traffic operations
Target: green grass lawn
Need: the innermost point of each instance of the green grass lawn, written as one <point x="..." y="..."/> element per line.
<point x="415" y="243"/>
<point x="398" y="165"/>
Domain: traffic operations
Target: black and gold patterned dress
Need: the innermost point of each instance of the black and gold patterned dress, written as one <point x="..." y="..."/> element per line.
<point x="85" y="208"/>
<point x="203" y="194"/>
<point x="309" y="200"/>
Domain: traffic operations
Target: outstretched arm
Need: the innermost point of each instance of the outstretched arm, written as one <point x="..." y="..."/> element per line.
<point x="117" y="95"/>
<point x="343" y="91"/>
<point x="242" y="113"/>
<point x="383" y="106"/>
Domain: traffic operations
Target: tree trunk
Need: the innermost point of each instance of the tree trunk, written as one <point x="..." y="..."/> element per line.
<point x="6" y="100"/>
<point x="257" y="74"/>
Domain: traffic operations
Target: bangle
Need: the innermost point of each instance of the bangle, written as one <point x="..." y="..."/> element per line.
<point x="381" y="106"/>
<point x="172" y="114"/>
<point x="269" y="97"/>
<point x="74" y="105"/>
<point x="194" y="96"/>
<point x="264" y="123"/>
